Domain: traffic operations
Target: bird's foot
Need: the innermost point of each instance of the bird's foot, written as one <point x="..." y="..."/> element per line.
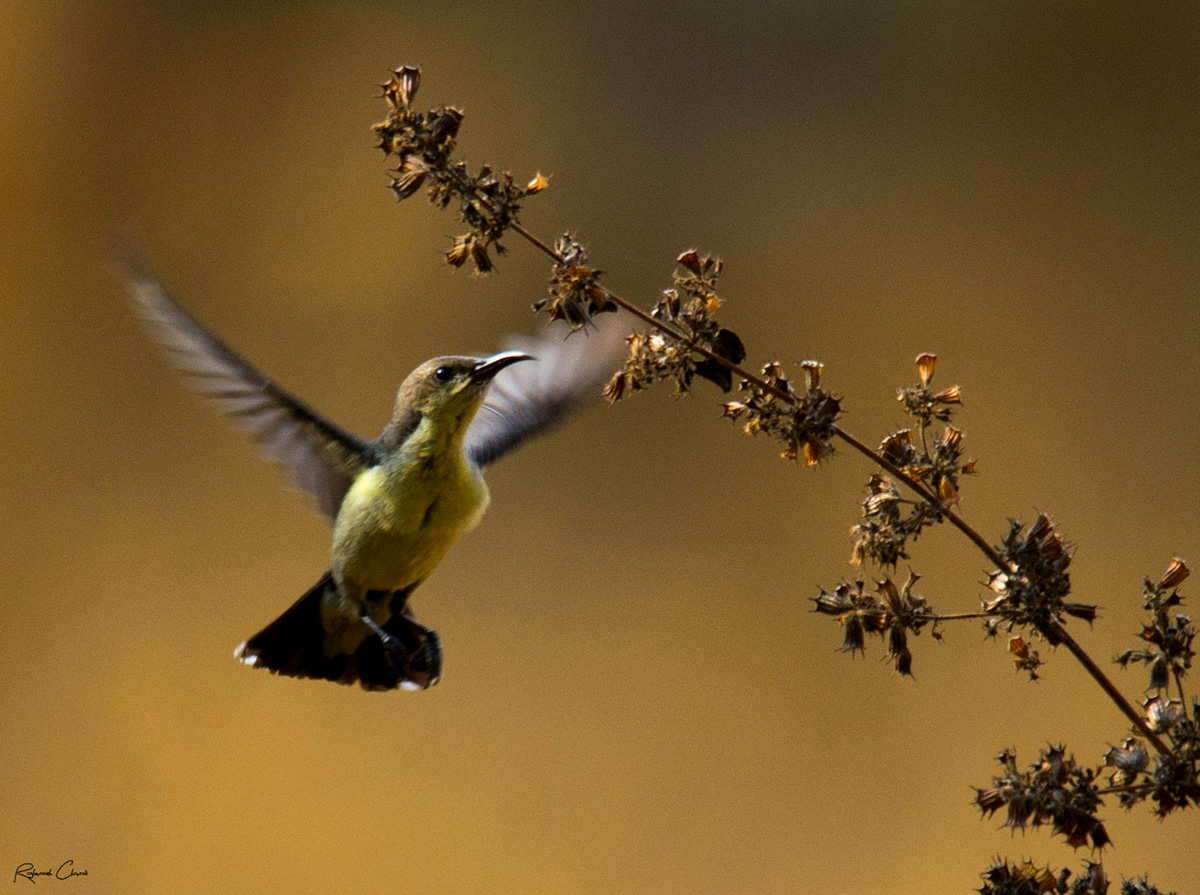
<point x="390" y="642"/>
<point x="415" y="656"/>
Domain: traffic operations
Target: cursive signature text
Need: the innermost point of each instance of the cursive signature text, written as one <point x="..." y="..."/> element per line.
<point x="65" y="870"/>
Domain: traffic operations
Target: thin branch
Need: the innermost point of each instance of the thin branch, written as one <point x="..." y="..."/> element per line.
<point x="1106" y="684"/>
<point x="956" y="616"/>
<point x="1140" y="788"/>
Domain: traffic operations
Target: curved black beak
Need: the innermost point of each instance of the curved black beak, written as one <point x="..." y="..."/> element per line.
<point x="490" y="366"/>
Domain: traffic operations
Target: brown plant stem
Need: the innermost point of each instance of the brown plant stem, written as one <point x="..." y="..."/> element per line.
<point x="955" y="616"/>
<point x="1110" y="689"/>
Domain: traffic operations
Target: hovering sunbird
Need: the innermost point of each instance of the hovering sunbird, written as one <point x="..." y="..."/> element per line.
<point x="397" y="502"/>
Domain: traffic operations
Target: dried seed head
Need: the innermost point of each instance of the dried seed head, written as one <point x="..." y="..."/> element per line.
<point x="458" y="255"/>
<point x="898" y="651"/>
<point x="488" y="203"/>
<point x="1085" y="611"/>
<point x="1176" y="573"/>
<point x="1168" y="635"/>
<point x="445" y="124"/>
<point x="1093" y="881"/>
<point x="408" y="78"/>
<point x="412" y="173"/>
<point x="951" y="395"/>
<point x="1163" y="715"/>
<point x="699" y="346"/>
<point x="1024" y="658"/>
<point x="853" y="634"/>
<point x="1026" y="878"/>
<point x="1033" y="586"/>
<point x="1127" y="761"/>
<point x="1054" y="791"/>
<point x="889" y="522"/>
<point x="538" y="184"/>
<point x="899" y="449"/>
<point x="470" y="248"/>
<point x="926" y="364"/>
<point x="480" y="257"/>
<point x="668" y="306"/>
<point x="990" y="800"/>
<point x="890" y="612"/>
<point x="923" y="404"/>
<point x="400" y="89"/>
<point x="812" y="373"/>
<point x="576" y="296"/>
<point x="691" y="260"/>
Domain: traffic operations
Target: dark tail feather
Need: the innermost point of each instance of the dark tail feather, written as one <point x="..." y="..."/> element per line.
<point x="294" y="646"/>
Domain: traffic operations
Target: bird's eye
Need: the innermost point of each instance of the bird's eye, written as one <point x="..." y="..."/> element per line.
<point x="443" y="374"/>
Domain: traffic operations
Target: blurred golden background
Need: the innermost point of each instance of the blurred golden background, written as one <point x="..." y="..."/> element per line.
<point x="637" y="697"/>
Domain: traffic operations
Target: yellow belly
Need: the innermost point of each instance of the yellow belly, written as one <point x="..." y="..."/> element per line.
<point x="394" y="528"/>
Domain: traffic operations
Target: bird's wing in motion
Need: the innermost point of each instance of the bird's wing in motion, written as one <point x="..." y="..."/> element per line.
<point x="527" y="399"/>
<point x="319" y="456"/>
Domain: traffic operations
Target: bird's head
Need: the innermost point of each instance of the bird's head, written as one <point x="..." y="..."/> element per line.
<point x="447" y="391"/>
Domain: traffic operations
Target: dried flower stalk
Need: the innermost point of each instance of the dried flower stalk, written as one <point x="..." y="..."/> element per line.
<point x="918" y="486"/>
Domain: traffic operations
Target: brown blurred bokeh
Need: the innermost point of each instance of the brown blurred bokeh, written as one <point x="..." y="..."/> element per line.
<point x="636" y="698"/>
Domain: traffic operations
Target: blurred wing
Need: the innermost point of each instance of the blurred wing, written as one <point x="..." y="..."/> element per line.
<point x="527" y="399"/>
<point x="319" y="457"/>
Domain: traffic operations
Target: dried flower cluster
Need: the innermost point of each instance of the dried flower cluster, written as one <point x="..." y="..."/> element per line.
<point x="890" y="612"/>
<point x="1169" y="633"/>
<point x="1032" y="588"/>
<point x="805" y="424"/>
<point x="689" y="341"/>
<point x="423" y="145"/>
<point x="1026" y="878"/>
<point x="1025" y="658"/>
<point x="891" y="520"/>
<point x="1057" y="791"/>
<point x="1140" y="886"/>
<point x="1172" y="780"/>
<point x="921" y="402"/>
<point x="575" y="291"/>
<point x="1054" y="791"/>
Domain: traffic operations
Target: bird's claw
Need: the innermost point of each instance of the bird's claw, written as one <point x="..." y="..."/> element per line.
<point x="417" y="664"/>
